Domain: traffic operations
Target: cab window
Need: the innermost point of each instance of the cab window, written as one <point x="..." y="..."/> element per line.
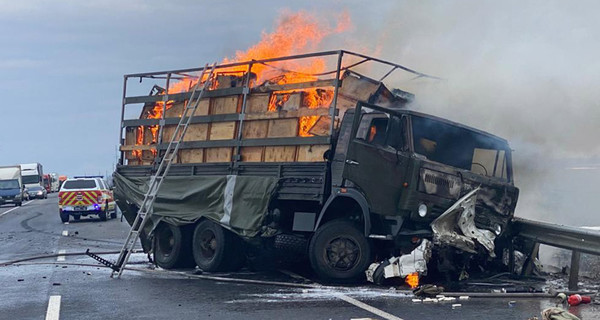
<point x="372" y="128"/>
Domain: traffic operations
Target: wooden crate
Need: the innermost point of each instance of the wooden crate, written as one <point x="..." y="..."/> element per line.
<point x="255" y="129"/>
<point x="311" y="153"/>
<point x="191" y="155"/>
<point x="282" y="128"/>
<point x="219" y="154"/>
<point x="280" y="154"/>
<point x="252" y="154"/>
<point x="258" y="103"/>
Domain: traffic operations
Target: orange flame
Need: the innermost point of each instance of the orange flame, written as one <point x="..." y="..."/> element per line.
<point x="294" y="33"/>
<point x="412" y="280"/>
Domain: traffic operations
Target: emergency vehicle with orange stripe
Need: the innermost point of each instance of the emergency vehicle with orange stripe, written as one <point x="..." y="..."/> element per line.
<point x="83" y="196"/>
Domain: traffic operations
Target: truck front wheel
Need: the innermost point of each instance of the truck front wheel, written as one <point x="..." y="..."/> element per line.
<point x="216" y="249"/>
<point x="172" y="246"/>
<point x="339" y="252"/>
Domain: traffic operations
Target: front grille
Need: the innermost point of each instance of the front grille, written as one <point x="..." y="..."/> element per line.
<point x="440" y="181"/>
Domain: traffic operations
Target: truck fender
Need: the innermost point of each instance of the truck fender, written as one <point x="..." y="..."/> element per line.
<point x="356" y="196"/>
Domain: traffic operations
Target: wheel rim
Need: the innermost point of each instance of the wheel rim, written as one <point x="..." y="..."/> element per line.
<point x="342" y="253"/>
<point x="166" y="241"/>
<point x="208" y="243"/>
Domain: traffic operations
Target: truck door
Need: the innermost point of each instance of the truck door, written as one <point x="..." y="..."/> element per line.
<point x="376" y="161"/>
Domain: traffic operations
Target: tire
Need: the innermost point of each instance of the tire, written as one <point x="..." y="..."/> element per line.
<point x="172" y="246"/>
<point x="18" y="204"/>
<point x="217" y="249"/>
<point x="76" y="218"/>
<point x="113" y="214"/>
<point x="64" y="217"/>
<point x="335" y="238"/>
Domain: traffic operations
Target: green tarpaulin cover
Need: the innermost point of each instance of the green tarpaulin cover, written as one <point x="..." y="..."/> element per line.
<point x="238" y="203"/>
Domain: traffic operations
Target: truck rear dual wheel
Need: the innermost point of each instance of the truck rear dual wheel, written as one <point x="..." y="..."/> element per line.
<point x="172" y="246"/>
<point x="217" y="249"/>
<point x="339" y="252"/>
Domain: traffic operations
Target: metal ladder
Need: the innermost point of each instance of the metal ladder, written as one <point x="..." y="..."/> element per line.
<point x="146" y="209"/>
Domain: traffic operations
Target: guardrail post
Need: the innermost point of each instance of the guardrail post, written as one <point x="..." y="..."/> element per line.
<point x="574" y="270"/>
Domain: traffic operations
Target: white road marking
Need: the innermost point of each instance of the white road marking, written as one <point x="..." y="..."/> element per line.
<point x="65" y="233"/>
<point x="350" y="300"/>
<point x="15" y="208"/>
<point x="367" y="307"/>
<point x="61" y="258"/>
<point x="53" y="311"/>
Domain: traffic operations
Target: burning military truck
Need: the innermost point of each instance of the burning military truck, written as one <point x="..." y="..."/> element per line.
<point x="332" y="165"/>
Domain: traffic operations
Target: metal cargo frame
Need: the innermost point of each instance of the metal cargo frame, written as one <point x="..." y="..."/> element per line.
<point x="301" y="180"/>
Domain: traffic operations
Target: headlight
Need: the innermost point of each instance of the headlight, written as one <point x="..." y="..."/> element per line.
<point x="422" y="210"/>
<point x="18" y="196"/>
<point x="39" y="192"/>
<point x="498" y="229"/>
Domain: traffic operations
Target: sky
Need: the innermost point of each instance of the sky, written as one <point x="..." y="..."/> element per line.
<point x="524" y="70"/>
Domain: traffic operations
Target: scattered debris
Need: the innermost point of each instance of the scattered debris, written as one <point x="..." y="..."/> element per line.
<point x="20" y="280"/>
<point x="403" y="266"/>
<point x="456" y="305"/>
<point x="461" y="217"/>
<point x="428" y="290"/>
<point x="556" y="313"/>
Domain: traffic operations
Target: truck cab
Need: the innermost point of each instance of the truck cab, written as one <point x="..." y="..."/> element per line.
<point x="403" y="171"/>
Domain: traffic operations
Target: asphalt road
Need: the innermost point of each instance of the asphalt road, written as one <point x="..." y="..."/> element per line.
<point x="77" y="287"/>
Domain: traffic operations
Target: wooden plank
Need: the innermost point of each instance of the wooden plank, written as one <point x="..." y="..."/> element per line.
<point x="311" y="153"/>
<point x="252" y="154"/>
<point x="131" y="135"/>
<point x="191" y="155"/>
<point x="147" y="155"/>
<point x="358" y="88"/>
<point x="280" y="154"/>
<point x="302" y="112"/>
<point x="257" y="103"/>
<point x="283" y="128"/>
<point x="321" y="127"/>
<point x="229" y="81"/>
<point x="138" y="147"/>
<point x="195" y="132"/>
<point x="295" y="86"/>
<point x="294" y="101"/>
<point x="224" y="105"/>
<point x="255" y="129"/>
<point x="219" y="154"/>
<point x="222" y="130"/>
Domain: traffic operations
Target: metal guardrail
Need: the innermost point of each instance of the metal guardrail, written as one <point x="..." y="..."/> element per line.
<point x="572" y="238"/>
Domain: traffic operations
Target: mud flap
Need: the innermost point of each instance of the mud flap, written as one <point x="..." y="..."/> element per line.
<point x="456" y="227"/>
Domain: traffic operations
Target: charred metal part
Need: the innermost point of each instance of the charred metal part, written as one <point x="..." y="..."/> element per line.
<point x="441" y="184"/>
<point x="416" y="261"/>
<point x="460" y="217"/>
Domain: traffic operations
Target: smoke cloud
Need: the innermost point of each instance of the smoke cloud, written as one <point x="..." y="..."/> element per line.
<point x="525" y="71"/>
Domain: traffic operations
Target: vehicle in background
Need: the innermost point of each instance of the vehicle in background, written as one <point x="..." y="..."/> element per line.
<point x="54" y="186"/>
<point x="61" y="180"/>
<point x="32" y="174"/>
<point x="82" y="196"/>
<point x="11" y="186"/>
<point x="47" y="182"/>
<point x="37" y="192"/>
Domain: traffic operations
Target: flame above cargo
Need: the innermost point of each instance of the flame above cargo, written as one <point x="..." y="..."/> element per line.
<point x="294" y="33"/>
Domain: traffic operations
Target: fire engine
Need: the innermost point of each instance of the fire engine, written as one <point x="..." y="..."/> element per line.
<point x="83" y="196"/>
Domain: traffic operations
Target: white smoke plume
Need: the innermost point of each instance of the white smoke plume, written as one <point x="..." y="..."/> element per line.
<point x="525" y="71"/>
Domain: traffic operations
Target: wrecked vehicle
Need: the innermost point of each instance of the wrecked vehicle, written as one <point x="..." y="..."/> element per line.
<point x="331" y="165"/>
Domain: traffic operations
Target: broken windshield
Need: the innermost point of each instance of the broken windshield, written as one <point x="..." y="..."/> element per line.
<point x="460" y="147"/>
